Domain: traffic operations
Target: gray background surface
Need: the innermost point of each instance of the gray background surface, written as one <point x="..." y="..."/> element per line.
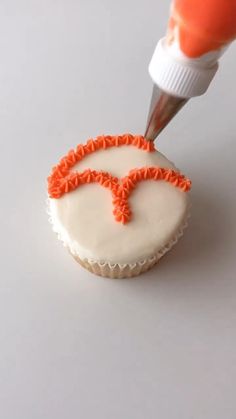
<point x="73" y="345"/>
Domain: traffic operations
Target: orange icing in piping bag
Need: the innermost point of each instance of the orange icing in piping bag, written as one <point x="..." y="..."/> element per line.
<point x="63" y="180"/>
<point x="203" y="25"/>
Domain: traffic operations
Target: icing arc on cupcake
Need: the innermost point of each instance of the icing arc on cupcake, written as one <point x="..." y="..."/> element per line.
<point x="63" y="180"/>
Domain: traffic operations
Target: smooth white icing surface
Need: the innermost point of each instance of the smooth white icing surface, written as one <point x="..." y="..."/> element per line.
<point x="85" y="222"/>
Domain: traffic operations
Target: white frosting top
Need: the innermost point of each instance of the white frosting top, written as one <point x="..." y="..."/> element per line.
<point x="84" y="218"/>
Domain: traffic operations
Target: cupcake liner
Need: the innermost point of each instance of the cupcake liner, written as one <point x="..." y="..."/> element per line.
<point x="127" y="270"/>
<point x="119" y="271"/>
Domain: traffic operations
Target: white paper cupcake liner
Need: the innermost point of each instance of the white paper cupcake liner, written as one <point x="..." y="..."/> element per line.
<point x="127" y="270"/>
<point x="118" y="270"/>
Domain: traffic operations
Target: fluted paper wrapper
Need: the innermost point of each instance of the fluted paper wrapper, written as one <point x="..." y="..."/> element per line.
<point x="127" y="270"/>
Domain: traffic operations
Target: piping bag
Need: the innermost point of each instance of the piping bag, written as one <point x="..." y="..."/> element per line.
<point x="186" y="60"/>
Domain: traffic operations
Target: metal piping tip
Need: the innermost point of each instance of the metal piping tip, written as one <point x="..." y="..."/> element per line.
<point x="163" y="108"/>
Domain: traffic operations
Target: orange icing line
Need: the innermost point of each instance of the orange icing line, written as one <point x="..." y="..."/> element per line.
<point x="62" y="180"/>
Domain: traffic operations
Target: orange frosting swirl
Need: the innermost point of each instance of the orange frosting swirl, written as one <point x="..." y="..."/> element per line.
<point x="62" y="180"/>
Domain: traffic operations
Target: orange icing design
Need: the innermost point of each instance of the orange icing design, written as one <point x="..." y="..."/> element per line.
<point x="62" y="180"/>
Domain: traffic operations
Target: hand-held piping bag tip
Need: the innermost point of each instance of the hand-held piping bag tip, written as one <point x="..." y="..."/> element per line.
<point x="176" y="79"/>
<point x="163" y="108"/>
<point x="186" y="60"/>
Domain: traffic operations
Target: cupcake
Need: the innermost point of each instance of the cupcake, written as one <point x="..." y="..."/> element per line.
<point x="117" y="204"/>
